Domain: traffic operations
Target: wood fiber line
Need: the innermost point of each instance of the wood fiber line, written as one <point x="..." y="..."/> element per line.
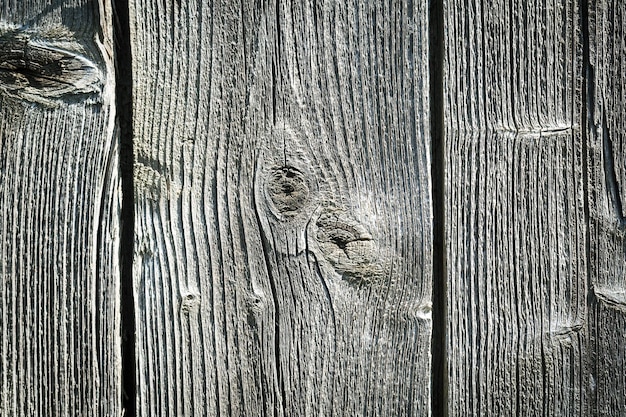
<point x="283" y="209"/>
<point x="516" y="225"/>
<point x="59" y="211"/>
<point x="607" y="178"/>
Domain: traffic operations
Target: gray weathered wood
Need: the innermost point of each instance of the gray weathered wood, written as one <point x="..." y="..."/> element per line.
<point x="515" y="209"/>
<point x="607" y="182"/>
<point x="59" y="208"/>
<point x="283" y="209"/>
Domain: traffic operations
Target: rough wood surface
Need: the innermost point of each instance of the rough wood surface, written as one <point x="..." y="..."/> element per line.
<point x="515" y="209"/>
<point x="607" y="182"/>
<point x="283" y="209"/>
<point x="59" y="206"/>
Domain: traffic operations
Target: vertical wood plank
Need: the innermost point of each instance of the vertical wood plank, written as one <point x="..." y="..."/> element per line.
<point x="59" y="211"/>
<point x="283" y="209"/>
<point x="607" y="182"/>
<point x="515" y="209"/>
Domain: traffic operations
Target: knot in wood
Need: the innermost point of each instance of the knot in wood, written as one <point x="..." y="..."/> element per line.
<point x="287" y="189"/>
<point x="39" y="71"/>
<point x="348" y="246"/>
<point x="190" y="301"/>
<point x="340" y="230"/>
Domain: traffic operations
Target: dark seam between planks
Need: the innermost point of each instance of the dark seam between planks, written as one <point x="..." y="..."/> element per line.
<point x="124" y="104"/>
<point x="436" y="52"/>
<point x="588" y="112"/>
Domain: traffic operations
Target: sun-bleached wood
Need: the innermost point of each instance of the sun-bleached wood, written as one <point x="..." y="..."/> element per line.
<point x="283" y="210"/>
<point x="515" y="209"/>
<point x="59" y="211"/>
<point x="607" y="189"/>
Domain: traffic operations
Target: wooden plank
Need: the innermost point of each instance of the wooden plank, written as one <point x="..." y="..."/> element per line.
<point x="283" y="208"/>
<point x="515" y="209"/>
<point x="59" y="209"/>
<point x="607" y="182"/>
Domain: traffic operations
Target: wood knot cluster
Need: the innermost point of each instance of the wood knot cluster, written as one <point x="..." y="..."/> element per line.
<point x="287" y="190"/>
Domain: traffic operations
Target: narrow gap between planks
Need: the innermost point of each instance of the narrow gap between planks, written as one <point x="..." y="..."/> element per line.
<point x="588" y="116"/>
<point x="439" y="371"/>
<point x="124" y="111"/>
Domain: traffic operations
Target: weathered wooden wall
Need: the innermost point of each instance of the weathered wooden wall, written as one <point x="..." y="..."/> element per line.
<point x="288" y="192"/>
<point x="59" y="205"/>
<point x="283" y="249"/>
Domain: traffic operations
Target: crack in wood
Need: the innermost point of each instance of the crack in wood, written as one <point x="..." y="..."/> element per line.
<point x="610" y="176"/>
<point x="563" y="332"/>
<point x="540" y="131"/>
<point x="613" y="298"/>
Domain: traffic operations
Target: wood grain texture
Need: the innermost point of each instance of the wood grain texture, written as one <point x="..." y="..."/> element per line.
<point x="515" y="209"/>
<point x="59" y="209"/>
<point x="607" y="182"/>
<point x="283" y="208"/>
